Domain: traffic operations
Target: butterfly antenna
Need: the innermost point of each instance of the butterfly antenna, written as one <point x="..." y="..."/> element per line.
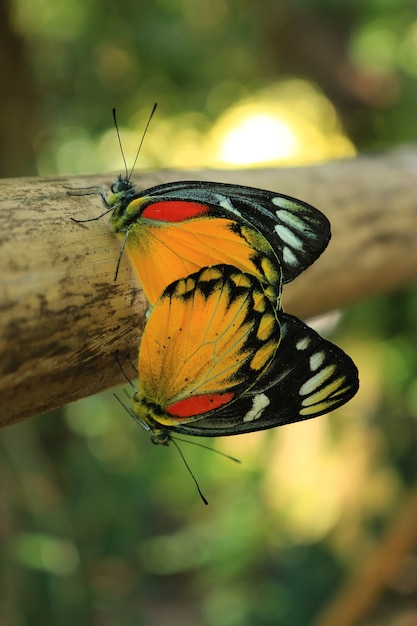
<point x="123" y="372"/>
<point x="126" y="408"/>
<point x="131" y="413"/>
<point x="120" y="142"/>
<point x="201" y="445"/>
<point x="190" y="472"/>
<point x="141" y="141"/>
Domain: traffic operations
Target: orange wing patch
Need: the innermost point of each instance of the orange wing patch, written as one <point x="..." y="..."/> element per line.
<point x="203" y="342"/>
<point x="162" y="252"/>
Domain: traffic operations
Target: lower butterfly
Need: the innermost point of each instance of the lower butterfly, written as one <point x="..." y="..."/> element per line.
<point x="216" y="359"/>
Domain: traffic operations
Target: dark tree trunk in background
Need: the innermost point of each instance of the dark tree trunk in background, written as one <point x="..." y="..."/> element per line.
<point x="19" y="110"/>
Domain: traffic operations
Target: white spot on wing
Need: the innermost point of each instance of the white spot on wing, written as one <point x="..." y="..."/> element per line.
<point x="287" y="235"/>
<point x="289" y="256"/>
<point x="284" y="203"/>
<point x="225" y="203"/>
<point x="316" y="361"/>
<point x="313" y="383"/>
<point x="291" y="219"/>
<point x="328" y="395"/>
<point x="259" y="404"/>
<point x="303" y="344"/>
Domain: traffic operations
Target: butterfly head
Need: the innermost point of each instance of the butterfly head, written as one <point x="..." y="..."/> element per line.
<point x="122" y="185"/>
<point x="123" y="190"/>
<point x="161" y="437"/>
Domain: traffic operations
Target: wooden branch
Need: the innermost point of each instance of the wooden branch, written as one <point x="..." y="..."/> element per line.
<point x="63" y="317"/>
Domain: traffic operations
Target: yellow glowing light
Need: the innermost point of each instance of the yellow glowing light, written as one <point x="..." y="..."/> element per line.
<point x="291" y="123"/>
<point x="259" y="137"/>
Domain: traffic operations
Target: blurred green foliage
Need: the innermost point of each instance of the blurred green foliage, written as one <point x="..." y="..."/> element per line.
<point x="198" y="59"/>
<point x="98" y="526"/>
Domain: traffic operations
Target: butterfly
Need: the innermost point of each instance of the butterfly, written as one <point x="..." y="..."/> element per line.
<point x="174" y="229"/>
<point x="217" y="359"/>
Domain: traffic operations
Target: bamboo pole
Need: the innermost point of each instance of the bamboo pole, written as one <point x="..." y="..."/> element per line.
<point x="63" y="318"/>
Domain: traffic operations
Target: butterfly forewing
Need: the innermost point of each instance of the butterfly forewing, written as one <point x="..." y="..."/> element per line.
<point x="209" y="336"/>
<point x="309" y="376"/>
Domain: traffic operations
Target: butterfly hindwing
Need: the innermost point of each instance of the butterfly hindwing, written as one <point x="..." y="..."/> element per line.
<point x="309" y="376"/>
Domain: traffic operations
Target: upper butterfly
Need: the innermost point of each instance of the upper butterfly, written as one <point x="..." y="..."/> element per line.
<point x="175" y="229"/>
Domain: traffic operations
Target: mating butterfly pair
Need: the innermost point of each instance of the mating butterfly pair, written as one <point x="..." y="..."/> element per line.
<point x="218" y="355"/>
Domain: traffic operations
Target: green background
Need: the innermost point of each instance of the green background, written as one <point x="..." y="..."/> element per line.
<point x="98" y="526"/>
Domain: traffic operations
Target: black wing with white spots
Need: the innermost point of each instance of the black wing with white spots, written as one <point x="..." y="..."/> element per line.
<point x="308" y="377"/>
